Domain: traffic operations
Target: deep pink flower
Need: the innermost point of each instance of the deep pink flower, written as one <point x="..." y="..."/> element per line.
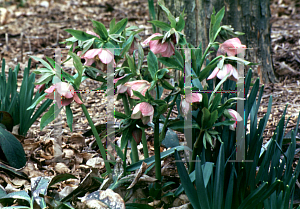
<point x="235" y="117"/>
<point x="221" y="73"/>
<point x="230" y="47"/>
<point x="144" y="111"/>
<point x="139" y="85"/>
<point x="63" y="91"/>
<point x="166" y="49"/>
<point x="185" y="103"/>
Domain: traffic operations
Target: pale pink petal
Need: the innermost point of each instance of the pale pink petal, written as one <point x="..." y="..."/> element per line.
<point x="214" y="73"/>
<point x="235" y="115"/>
<point x="62" y="88"/>
<point x="146" y="109"/>
<point x="90" y="54"/>
<point x="106" y="56"/>
<point x="89" y="62"/>
<point x="224" y="71"/>
<point x="121" y="89"/>
<point x="196" y="97"/>
<point x="50" y="89"/>
<point x="116" y="79"/>
<point x="77" y="99"/>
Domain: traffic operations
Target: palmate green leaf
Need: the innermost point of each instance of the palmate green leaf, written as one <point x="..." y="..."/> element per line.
<point x="152" y="64"/>
<point x="112" y="24"/>
<point x="12" y="149"/>
<point x="49" y="116"/>
<point x="126" y="46"/>
<point x="100" y="29"/>
<point x="44" y="79"/>
<point x="162" y="25"/>
<point x="42" y="61"/>
<point x="80" y="35"/>
<point x="218" y="19"/>
<point x="186" y="182"/>
<point x="78" y="65"/>
<point x="119" y="27"/>
<point x="43" y="70"/>
<point x="178" y="125"/>
<point x="167" y="11"/>
<point x="171" y="62"/>
<point x="181" y="23"/>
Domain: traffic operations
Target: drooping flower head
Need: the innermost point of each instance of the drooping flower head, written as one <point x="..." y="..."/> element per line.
<point x="230" y="47"/>
<point x="63" y="91"/>
<point x="235" y="117"/>
<point x="144" y="111"/>
<point x="166" y="49"/>
<point x="221" y="73"/>
<point x="185" y="103"/>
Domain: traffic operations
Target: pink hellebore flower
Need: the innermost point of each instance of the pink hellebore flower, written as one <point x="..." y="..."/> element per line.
<point x="185" y="103"/>
<point x="144" y="111"/>
<point x="166" y="49"/>
<point x="104" y="55"/>
<point x="65" y="92"/>
<point x="236" y="117"/>
<point x="139" y="85"/>
<point x="226" y="69"/>
<point x="230" y="47"/>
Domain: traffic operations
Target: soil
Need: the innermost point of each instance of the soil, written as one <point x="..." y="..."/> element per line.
<point x="37" y="28"/>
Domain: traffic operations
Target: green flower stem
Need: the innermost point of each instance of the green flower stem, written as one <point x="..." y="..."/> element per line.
<point x="124" y="159"/>
<point x="125" y="103"/>
<point x="134" y="151"/>
<point x="144" y="142"/>
<point x="157" y="91"/>
<point x="157" y="150"/>
<point x="94" y="130"/>
<point x="163" y="131"/>
<point x="195" y="150"/>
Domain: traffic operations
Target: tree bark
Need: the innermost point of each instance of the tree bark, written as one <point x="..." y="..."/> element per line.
<point x="248" y="16"/>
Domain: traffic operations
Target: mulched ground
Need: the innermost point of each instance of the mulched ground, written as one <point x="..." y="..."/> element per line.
<point x="37" y="27"/>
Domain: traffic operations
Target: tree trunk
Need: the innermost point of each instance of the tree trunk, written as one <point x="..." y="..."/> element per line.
<point x="248" y="16"/>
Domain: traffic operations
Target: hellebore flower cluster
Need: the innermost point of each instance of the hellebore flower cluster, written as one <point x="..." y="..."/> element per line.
<point x="229" y="47"/>
<point x="63" y="91"/>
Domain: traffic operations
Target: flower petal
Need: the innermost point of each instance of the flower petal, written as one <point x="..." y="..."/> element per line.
<point x="214" y="73"/>
<point x="106" y="56"/>
<point x="146" y="42"/>
<point x="156" y="47"/>
<point x="90" y="54"/>
<point x="146" y="109"/>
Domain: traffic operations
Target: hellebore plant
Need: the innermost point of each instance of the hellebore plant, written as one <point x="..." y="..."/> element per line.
<point x="134" y="83"/>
